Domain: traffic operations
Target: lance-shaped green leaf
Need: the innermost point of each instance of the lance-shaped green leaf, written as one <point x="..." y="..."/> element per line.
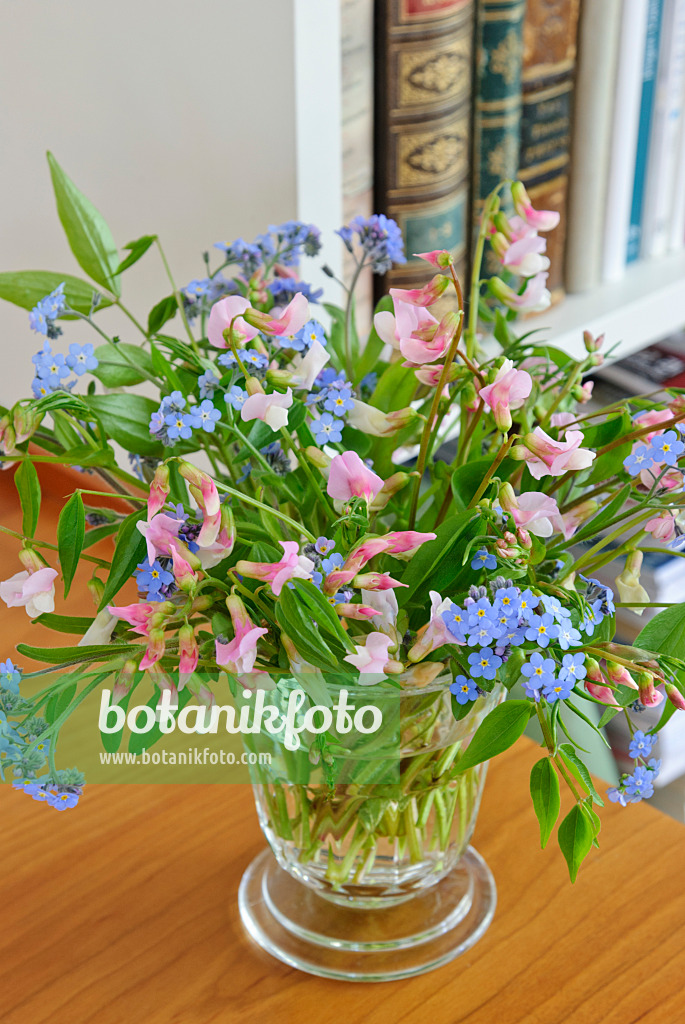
<point x="28" y="487"/>
<point x="498" y="731"/>
<point x="575" y="837"/>
<point x="71" y="532"/>
<point x="544" y="790"/>
<point x="26" y="288"/>
<point x="136" y="250"/>
<point x="129" y="550"/>
<point x="126" y="419"/>
<point x="87" y="232"/>
<point x="122" y="365"/>
<point x="579" y="769"/>
<point x="665" y="633"/>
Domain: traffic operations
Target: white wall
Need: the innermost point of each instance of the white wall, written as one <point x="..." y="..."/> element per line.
<point x="173" y="117"/>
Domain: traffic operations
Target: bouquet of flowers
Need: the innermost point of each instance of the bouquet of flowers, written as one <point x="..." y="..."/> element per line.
<point x="290" y="514"/>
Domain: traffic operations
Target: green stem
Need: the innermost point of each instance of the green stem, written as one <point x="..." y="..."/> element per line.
<point x="129" y="314"/>
<point x="470" y="335"/>
<point x="179" y="300"/>
<point x="53" y="547"/>
<point x="348" y="321"/>
<point x="301" y="458"/>
<point x="491" y="471"/>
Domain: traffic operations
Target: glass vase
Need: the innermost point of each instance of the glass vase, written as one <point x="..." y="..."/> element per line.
<point x="369" y="875"/>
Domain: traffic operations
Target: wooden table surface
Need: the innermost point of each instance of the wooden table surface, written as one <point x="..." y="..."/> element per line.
<point x="124" y="910"/>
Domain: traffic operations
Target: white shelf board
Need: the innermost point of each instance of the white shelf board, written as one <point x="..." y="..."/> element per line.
<point x="644" y="307"/>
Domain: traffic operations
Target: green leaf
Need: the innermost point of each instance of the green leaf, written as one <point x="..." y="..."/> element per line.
<point x="579" y="769"/>
<point x="111" y="741"/>
<point x="603" y="433"/>
<point x="122" y="365"/>
<point x="58" y="704"/>
<point x="98" y="533"/>
<point x="324" y="615"/>
<point x="163" y="368"/>
<point x="71" y="532"/>
<point x="296" y="621"/>
<point x="76" y="624"/>
<point x="140" y="740"/>
<point x="129" y="550"/>
<point x="607" y="715"/>
<point x="544" y="790"/>
<point x="137" y="249"/>
<point x="87" y="232"/>
<point x="395" y="389"/>
<point x="74" y="655"/>
<point x="615" y="505"/>
<point x="26" y="288"/>
<point x="84" y="455"/>
<point x="427" y="560"/>
<point x="665" y="633"/>
<point x="159" y="314"/>
<point x="496" y="733"/>
<point x="374" y="345"/>
<point x="575" y="837"/>
<point x="28" y="487"/>
<point x="126" y="419"/>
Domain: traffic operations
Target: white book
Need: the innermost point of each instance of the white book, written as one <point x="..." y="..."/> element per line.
<point x="628" y="96"/>
<point x="594" y="107"/>
<point x="677" y="231"/>
<point x="663" y="147"/>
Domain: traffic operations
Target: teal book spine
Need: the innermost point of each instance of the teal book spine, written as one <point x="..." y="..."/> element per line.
<point x="498" y="97"/>
<point x="649" y="76"/>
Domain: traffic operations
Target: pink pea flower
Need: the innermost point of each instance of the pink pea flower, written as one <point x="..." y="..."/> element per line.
<point x="136" y="615"/>
<point x="562" y="419"/>
<point x="220" y="317"/>
<point x="240" y="654"/>
<point x="584" y="392"/>
<point x="430" y="376"/>
<point x="534" y="298"/>
<point x="160" y="533"/>
<point x="271" y="409"/>
<point x="435" y="633"/>
<point x="202" y="487"/>
<point x="419" y="349"/>
<point x="33" y="591"/>
<point x="385" y="604"/>
<point x="525" y="258"/>
<point x="349" y="477"/>
<point x="371" y="659"/>
<point x="212" y="553"/>
<point x="508" y="391"/>
<point x="649" y="695"/>
<point x="546" y="457"/>
<point x="540" y="220"/>
<point x="652" y="418"/>
<point x="291" y="566"/>
<point x="404" y="543"/>
<point x="377" y="581"/>
<point x="425" y="296"/>
<point x="537" y="512"/>
<point x="292" y="319"/>
<point x="439" y="258"/>
<point x="408" y="321"/>
<point x="662" y="527"/>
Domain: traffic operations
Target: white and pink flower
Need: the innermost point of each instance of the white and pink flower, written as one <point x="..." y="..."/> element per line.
<point x="33" y="591"/>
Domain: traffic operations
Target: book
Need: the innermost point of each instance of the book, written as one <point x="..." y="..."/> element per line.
<point x="621" y="176"/>
<point x="497" y="99"/>
<point x="598" y="37"/>
<point x="663" y="147"/>
<point x="424" y="51"/>
<point x="549" y="59"/>
<point x="357" y="73"/>
<point x="644" y="131"/>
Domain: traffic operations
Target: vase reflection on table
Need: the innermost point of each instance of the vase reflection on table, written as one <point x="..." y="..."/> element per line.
<point x="373" y="880"/>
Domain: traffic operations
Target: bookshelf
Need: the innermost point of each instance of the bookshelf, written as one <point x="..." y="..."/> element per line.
<point x="646" y="305"/>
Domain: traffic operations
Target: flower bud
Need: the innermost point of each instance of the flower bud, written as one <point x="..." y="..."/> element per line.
<point x="26" y="422"/>
<point x="279" y="378"/>
<point x="675" y="696"/>
<point x="123" y="680"/>
<point x="96" y="589"/>
<point x="253" y="386"/>
<point x="620" y="675"/>
<point x="317" y="457"/>
<point x="30" y="559"/>
<point x="7" y="438"/>
<point x="596" y="359"/>
<point x="592" y="344"/>
<point x="649" y="695"/>
<point x="159" y="490"/>
<point x="628" y="582"/>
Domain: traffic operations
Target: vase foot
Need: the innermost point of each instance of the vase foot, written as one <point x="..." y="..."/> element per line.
<point x="299" y="927"/>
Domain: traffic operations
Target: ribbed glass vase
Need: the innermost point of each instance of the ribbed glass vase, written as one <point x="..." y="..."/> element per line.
<point x="370" y="875"/>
